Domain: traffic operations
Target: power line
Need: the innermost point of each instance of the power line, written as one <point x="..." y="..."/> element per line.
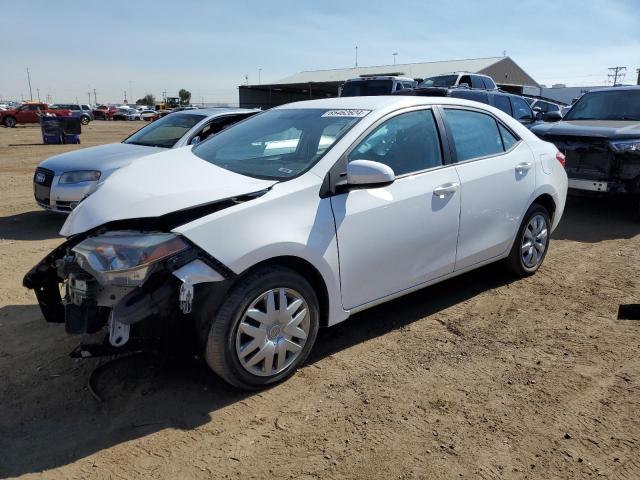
<point x="617" y="72"/>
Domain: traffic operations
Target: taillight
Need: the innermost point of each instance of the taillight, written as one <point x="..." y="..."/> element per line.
<point x="560" y="157"/>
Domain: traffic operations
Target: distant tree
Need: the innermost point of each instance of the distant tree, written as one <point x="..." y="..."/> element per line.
<point x="185" y="96"/>
<point x="148" y="100"/>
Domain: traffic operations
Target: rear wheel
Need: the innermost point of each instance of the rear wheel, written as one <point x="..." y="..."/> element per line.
<point x="10" y="122"/>
<point x="85" y="120"/>
<point x="264" y="330"/>
<point x="532" y="242"/>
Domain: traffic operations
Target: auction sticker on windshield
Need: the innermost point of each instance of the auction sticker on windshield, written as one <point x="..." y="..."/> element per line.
<point x="345" y="113"/>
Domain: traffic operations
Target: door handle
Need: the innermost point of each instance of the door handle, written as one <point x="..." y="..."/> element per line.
<point x="446" y="189"/>
<point x="523" y="167"/>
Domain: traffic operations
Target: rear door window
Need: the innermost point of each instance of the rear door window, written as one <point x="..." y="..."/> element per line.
<point x="501" y="102"/>
<point x="508" y="138"/>
<point x="521" y="109"/>
<point x="476" y="82"/>
<point x="475" y="134"/>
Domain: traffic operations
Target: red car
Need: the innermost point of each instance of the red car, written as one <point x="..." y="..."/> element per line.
<point x="104" y="112"/>
<point x="29" y="113"/>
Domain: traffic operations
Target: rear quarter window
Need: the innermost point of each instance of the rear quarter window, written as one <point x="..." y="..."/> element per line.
<point x="475" y="134"/>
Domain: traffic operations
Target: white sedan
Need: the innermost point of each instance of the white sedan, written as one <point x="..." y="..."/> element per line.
<point x="296" y="219"/>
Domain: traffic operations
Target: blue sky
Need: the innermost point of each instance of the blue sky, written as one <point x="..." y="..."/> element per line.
<point x="207" y="47"/>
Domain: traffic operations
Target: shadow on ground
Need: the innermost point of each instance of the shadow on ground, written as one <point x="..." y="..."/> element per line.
<point x="145" y="394"/>
<point x="34" y="225"/>
<point x="593" y="220"/>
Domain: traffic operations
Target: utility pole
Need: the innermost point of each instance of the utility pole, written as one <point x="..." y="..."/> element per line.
<point x="29" y="80"/>
<point x="125" y="97"/>
<point x="617" y="72"/>
<point x="259" y="76"/>
<point x="356" y="56"/>
<point x="95" y="97"/>
<point x="246" y="79"/>
<point x="38" y="90"/>
<point x="394" y="57"/>
<point x="89" y="95"/>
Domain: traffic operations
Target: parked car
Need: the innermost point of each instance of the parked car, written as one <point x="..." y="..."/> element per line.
<point x="60" y="182"/>
<point x="104" y="112"/>
<point x="88" y="110"/>
<point x="76" y="111"/>
<point x="149" y="115"/>
<point x="297" y="218"/>
<point x="30" y="112"/>
<point x="545" y="106"/>
<point x="459" y="80"/>
<point x="511" y="104"/>
<point x="126" y="113"/>
<point x="600" y="137"/>
<point x="375" y="85"/>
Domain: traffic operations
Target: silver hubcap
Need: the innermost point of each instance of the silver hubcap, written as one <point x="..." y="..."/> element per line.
<point x="272" y="332"/>
<point x="534" y="241"/>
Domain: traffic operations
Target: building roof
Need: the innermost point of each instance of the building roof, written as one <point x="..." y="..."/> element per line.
<point x="413" y="70"/>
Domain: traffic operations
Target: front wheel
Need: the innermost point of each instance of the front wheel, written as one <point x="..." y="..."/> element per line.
<point x="264" y="330"/>
<point x="85" y="120"/>
<point x="10" y="122"/>
<point x="532" y="242"/>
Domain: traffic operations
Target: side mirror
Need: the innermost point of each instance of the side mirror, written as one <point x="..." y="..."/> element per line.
<point x="366" y="174"/>
<point x="195" y="140"/>
<point x="552" y="117"/>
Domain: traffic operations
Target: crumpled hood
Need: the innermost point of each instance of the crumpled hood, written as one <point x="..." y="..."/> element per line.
<point x="157" y="185"/>
<point x="611" y="129"/>
<point x="102" y="158"/>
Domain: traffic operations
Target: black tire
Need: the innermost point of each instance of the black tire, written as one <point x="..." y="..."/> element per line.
<point x="9" y="122"/>
<point x="220" y="350"/>
<point x="515" y="263"/>
<point x="84" y="120"/>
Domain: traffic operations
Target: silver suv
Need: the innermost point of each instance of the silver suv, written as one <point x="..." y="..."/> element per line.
<point x="366" y="85"/>
<point x="460" y="79"/>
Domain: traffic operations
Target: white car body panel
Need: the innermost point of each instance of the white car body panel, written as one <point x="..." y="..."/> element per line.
<point x="495" y="195"/>
<point x="368" y="245"/>
<point x="377" y="227"/>
<point x="156" y="185"/>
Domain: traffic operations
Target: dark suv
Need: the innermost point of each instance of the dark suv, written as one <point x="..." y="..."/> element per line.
<point x="600" y="137"/>
<point x="513" y="105"/>
<point x="459" y="79"/>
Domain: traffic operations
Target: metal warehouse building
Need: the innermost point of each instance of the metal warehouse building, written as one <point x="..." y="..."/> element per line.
<point x="325" y="83"/>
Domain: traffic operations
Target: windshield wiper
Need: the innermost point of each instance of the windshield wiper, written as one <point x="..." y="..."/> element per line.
<point x="147" y="144"/>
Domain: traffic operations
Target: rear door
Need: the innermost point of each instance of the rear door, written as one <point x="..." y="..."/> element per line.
<point x="497" y="178"/>
<point x="396" y="237"/>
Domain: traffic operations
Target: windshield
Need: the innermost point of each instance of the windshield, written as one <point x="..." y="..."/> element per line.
<point x="166" y="131"/>
<point x="607" y="105"/>
<point x="278" y="144"/>
<point x="440" y="81"/>
<point x="362" y="88"/>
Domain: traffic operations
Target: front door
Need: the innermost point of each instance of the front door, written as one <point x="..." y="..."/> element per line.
<point x="396" y="237"/>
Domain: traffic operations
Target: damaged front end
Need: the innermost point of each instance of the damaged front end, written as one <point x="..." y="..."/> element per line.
<point x="140" y="285"/>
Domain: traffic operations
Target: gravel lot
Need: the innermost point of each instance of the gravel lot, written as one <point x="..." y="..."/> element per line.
<point x="479" y="377"/>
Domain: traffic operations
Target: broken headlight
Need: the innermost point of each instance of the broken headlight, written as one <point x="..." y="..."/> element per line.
<point x="124" y="257"/>
<point x="624" y="146"/>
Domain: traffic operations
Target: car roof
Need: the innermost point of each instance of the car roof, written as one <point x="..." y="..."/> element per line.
<point x="380" y="77"/>
<point x="212" y="112"/>
<point x="377" y="103"/>
<point x="620" y="87"/>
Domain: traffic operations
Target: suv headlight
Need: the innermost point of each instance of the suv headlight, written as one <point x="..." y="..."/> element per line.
<point x="626" y="146"/>
<point x="80" y="176"/>
<point x="124" y="257"/>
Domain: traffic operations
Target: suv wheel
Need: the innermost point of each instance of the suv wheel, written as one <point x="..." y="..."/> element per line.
<point x="264" y="330"/>
<point x="85" y="120"/>
<point x="9" y="122"/>
<point x="532" y="242"/>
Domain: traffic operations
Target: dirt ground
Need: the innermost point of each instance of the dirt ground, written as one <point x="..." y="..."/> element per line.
<point x="478" y="377"/>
